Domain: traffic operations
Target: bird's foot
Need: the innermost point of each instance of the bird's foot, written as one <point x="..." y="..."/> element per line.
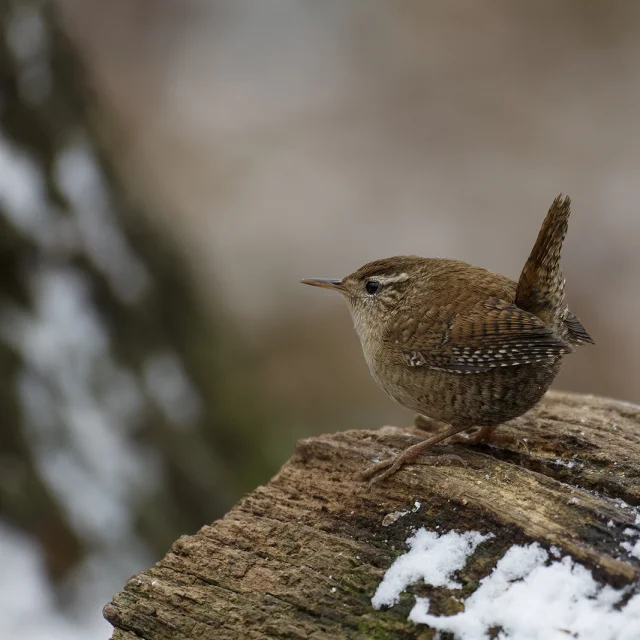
<point x="484" y="434"/>
<point x="386" y="468"/>
<point x="488" y="435"/>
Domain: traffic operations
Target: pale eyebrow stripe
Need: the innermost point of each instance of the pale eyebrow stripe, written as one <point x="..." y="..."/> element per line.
<point x="402" y="277"/>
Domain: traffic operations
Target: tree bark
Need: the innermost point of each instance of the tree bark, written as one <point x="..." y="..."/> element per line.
<point x="302" y="556"/>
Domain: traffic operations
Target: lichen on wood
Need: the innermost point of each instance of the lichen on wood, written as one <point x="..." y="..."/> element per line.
<point x="302" y="556"/>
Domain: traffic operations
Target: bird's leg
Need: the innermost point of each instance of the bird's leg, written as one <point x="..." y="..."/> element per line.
<point x="484" y="434"/>
<point x="386" y="468"/>
<point x="487" y="434"/>
<point x="426" y="424"/>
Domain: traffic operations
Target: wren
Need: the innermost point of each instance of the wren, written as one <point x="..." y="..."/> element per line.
<point x="461" y="345"/>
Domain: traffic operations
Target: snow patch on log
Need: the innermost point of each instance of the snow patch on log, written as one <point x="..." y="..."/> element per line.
<point x="434" y="558"/>
<point x="527" y="595"/>
<point x="633" y="547"/>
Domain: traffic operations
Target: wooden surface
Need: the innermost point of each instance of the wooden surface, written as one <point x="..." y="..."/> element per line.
<point x="302" y="556"/>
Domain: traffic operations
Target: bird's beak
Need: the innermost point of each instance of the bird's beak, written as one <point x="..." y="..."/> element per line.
<point x="324" y="283"/>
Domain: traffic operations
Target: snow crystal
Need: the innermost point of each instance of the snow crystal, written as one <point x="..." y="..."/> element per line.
<point x="433" y="558"/>
<point x="632" y="549"/>
<point x="528" y="596"/>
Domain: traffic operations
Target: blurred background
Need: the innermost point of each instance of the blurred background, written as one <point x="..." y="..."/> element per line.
<point x="169" y="170"/>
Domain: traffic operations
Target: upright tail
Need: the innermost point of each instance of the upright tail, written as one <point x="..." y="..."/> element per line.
<point x="541" y="286"/>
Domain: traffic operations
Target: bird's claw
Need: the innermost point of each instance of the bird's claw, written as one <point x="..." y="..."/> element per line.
<point x="386" y="468"/>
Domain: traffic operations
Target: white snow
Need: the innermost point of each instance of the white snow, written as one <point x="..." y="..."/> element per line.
<point x="28" y="609"/>
<point x="23" y="200"/>
<point x="79" y="403"/>
<point x="80" y="179"/>
<point x="633" y="547"/>
<point x="433" y="558"/>
<point x="569" y="464"/>
<point x="93" y="226"/>
<point x="168" y="384"/>
<point x="528" y="596"/>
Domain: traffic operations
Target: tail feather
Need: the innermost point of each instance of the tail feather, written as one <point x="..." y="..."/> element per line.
<point x="541" y="286"/>
<point x="577" y="333"/>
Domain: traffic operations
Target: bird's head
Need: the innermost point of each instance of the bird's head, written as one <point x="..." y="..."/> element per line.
<point x="376" y="289"/>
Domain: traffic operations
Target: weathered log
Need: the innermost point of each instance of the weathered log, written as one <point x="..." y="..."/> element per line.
<point x="302" y="556"/>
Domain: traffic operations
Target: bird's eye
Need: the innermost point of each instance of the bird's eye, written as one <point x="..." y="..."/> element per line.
<point x="372" y="287"/>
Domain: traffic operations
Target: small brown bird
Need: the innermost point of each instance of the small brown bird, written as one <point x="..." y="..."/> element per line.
<point x="459" y="344"/>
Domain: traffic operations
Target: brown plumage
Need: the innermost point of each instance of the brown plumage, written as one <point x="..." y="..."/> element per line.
<point x="459" y="344"/>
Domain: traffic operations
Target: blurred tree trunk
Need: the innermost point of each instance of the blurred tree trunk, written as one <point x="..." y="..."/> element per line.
<point x="118" y="401"/>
